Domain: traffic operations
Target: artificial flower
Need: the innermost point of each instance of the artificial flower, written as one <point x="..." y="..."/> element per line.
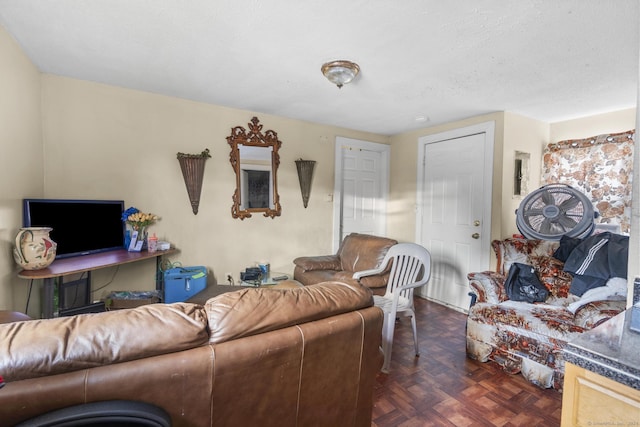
<point x="138" y="220"/>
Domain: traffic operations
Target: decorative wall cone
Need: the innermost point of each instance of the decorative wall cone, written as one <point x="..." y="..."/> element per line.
<point x="305" y="176"/>
<point x="192" y="166"/>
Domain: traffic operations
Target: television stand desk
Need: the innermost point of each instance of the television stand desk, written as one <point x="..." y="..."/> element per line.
<point x="87" y="264"/>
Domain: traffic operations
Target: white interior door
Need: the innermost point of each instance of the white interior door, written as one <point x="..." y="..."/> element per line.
<point x="454" y="209"/>
<point x="360" y="194"/>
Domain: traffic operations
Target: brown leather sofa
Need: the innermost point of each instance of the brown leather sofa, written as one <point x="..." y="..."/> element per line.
<point x="254" y="357"/>
<point x="357" y="252"/>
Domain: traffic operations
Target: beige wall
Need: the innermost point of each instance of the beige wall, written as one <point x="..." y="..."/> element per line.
<point x="528" y="136"/>
<point x="21" y="173"/>
<point x="106" y="142"/>
<point x="113" y="143"/>
<point x="513" y="133"/>
<point x="404" y="171"/>
<point x="613" y="122"/>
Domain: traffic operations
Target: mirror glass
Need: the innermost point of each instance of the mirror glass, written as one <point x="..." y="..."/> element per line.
<point x="521" y="174"/>
<point x="256" y="177"/>
<point x="255" y="159"/>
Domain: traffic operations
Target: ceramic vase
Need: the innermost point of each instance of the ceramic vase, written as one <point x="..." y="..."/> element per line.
<point x="34" y="248"/>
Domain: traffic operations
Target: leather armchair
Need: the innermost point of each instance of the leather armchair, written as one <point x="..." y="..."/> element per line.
<point x="357" y="252"/>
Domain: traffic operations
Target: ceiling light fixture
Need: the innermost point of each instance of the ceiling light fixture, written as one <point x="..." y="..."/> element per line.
<point x="340" y="72"/>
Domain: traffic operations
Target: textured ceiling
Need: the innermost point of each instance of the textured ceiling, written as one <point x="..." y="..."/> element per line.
<point x="549" y="60"/>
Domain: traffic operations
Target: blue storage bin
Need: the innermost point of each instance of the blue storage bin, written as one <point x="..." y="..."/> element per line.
<point x="181" y="283"/>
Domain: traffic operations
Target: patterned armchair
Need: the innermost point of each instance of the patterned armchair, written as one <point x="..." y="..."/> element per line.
<point x="529" y="338"/>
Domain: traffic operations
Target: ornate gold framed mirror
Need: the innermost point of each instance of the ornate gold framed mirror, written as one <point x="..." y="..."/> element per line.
<point x="254" y="158"/>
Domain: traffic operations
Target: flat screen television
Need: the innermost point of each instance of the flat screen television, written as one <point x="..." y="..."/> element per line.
<point x="80" y="227"/>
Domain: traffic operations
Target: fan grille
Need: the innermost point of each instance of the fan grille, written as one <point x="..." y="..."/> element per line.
<point x="554" y="211"/>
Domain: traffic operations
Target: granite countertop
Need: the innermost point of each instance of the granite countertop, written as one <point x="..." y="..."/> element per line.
<point x="611" y="349"/>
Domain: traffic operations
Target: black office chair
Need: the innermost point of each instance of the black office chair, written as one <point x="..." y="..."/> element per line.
<point x="120" y="413"/>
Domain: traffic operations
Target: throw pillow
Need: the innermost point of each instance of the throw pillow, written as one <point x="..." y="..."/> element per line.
<point x="552" y="276"/>
<point x="509" y="251"/>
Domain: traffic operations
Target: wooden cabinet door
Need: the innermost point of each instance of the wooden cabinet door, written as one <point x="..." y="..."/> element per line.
<point x="590" y="399"/>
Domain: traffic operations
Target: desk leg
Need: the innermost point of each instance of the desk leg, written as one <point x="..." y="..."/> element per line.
<point x="48" y="294"/>
<point x="159" y="277"/>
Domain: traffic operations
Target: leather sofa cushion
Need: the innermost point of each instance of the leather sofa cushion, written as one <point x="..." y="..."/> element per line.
<point x="360" y="252"/>
<point x="318" y="276"/>
<point x="37" y="348"/>
<point x="322" y="262"/>
<point x="253" y="311"/>
<point x="377" y="284"/>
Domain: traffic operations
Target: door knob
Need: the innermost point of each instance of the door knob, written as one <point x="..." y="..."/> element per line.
<point x="476" y="223"/>
<point x="476" y="235"/>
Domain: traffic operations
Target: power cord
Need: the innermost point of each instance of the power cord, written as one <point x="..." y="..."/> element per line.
<point x="168" y="265"/>
<point x="230" y="280"/>
<point x="109" y="282"/>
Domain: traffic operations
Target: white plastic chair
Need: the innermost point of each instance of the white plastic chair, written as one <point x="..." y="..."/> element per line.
<point x="410" y="268"/>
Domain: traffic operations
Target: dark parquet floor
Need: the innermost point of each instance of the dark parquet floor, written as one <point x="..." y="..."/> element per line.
<point x="443" y="387"/>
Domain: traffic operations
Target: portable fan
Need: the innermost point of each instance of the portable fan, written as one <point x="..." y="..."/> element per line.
<point x="553" y="211"/>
